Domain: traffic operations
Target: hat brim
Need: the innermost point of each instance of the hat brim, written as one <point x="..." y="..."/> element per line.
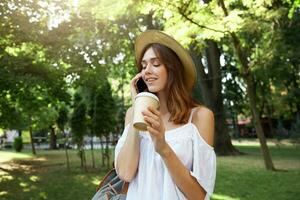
<point x="155" y="36"/>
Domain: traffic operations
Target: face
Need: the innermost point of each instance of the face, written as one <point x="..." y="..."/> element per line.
<point x="154" y="73"/>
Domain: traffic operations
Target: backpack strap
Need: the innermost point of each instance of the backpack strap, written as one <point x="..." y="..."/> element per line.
<point x="125" y="188"/>
<point x="112" y="173"/>
<point x="106" y="178"/>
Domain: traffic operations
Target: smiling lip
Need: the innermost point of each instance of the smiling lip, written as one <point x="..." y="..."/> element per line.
<point x="150" y="80"/>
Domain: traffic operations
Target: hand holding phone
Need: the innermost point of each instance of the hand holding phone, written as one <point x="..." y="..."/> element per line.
<point x="141" y="85"/>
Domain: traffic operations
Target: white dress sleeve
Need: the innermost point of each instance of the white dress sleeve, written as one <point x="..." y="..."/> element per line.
<point x="204" y="164"/>
<point x="120" y="143"/>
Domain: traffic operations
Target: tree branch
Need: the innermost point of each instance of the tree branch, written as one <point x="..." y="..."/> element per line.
<point x="237" y="45"/>
<point x="184" y="15"/>
<point x="182" y="12"/>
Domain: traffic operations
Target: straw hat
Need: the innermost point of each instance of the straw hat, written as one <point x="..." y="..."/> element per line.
<point x="155" y="36"/>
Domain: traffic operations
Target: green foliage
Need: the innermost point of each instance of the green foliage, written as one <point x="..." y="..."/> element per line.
<point x="269" y="41"/>
<point x="29" y="89"/>
<point x="44" y="58"/>
<point x="18" y="144"/>
<point x="294" y="7"/>
<point x="78" y="124"/>
<point x="78" y="120"/>
<point x="104" y="118"/>
<point x="62" y="118"/>
<point x="29" y="86"/>
<point x="234" y="87"/>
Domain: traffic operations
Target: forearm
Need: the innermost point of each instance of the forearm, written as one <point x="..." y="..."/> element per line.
<point x="128" y="157"/>
<point x="181" y="176"/>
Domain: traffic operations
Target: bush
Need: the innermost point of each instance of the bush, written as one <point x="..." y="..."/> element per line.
<point x="18" y="144"/>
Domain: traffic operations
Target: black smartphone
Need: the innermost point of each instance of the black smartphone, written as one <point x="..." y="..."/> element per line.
<point x="141" y="85"/>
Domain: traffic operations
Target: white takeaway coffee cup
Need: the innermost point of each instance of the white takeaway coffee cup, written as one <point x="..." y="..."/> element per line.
<point x="142" y="101"/>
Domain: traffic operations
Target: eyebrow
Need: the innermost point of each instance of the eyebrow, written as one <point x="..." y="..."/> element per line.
<point x="151" y="59"/>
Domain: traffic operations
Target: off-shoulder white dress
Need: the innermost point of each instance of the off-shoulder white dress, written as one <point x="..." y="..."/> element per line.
<point x="153" y="181"/>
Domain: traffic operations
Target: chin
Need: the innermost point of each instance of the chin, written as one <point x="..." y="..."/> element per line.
<point x="154" y="90"/>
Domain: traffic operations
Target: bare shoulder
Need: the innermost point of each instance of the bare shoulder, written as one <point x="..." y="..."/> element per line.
<point x="128" y="116"/>
<point x="203" y="118"/>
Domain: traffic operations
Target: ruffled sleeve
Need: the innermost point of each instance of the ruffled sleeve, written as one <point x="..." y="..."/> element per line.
<point x="204" y="164"/>
<point x="121" y="142"/>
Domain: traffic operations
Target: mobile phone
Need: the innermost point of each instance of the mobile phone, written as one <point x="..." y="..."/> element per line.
<point x="141" y="85"/>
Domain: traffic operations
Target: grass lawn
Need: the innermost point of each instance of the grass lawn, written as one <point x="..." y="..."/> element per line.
<point x="45" y="176"/>
<point x="8" y="156"/>
<point x="244" y="177"/>
<point x="27" y="177"/>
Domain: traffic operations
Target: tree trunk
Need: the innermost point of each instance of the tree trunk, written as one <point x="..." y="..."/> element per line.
<point x="92" y="151"/>
<point x="211" y="92"/>
<point x="31" y="140"/>
<point x="223" y="141"/>
<point x="248" y="77"/>
<point x="102" y="151"/>
<point x="81" y="156"/>
<point x="107" y="151"/>
<point x="257" y="123"/>
<point x="53" y="143"/>
<point x="66" y="150"/>
<point x="84" y="159"/>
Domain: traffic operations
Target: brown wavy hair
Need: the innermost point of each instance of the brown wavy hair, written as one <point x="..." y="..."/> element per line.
<point x="180" y="100"/>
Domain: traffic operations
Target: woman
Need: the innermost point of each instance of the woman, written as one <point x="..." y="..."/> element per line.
<point x="174" y="158"/>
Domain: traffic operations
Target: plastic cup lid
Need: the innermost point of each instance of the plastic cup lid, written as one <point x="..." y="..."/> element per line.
<point x="148" y="94"/>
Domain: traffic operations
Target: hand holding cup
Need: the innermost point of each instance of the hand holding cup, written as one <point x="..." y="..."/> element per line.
<point x="142" y="101"/>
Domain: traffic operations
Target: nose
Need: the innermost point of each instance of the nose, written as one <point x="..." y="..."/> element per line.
<point x="148" y="69"/>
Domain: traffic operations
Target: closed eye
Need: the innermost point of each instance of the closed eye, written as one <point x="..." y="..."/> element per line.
<point x="154" y="61"/>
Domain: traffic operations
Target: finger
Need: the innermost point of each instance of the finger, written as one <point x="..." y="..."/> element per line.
<point x="139" y="75"/>
<point x="150" y="114"/>
<point x="152" y="131"/>
<point x="136" y="78"/>
<point x="151" y="121"/>
<point x="153" y="110"/>
<point x="134" y="89"/>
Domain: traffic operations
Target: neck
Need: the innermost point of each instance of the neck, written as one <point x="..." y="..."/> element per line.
<point x="163" y="109"/>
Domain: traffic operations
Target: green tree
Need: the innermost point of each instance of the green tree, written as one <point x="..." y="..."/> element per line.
<point x="61" y="122"/>
<point x="104" y="121"/>
<point x="30" y="85"/>
<point x="206" y="54"/>
<point x="232" y="22"/>
<point x="78" y="126"/>
<point x="18" y="144"/>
